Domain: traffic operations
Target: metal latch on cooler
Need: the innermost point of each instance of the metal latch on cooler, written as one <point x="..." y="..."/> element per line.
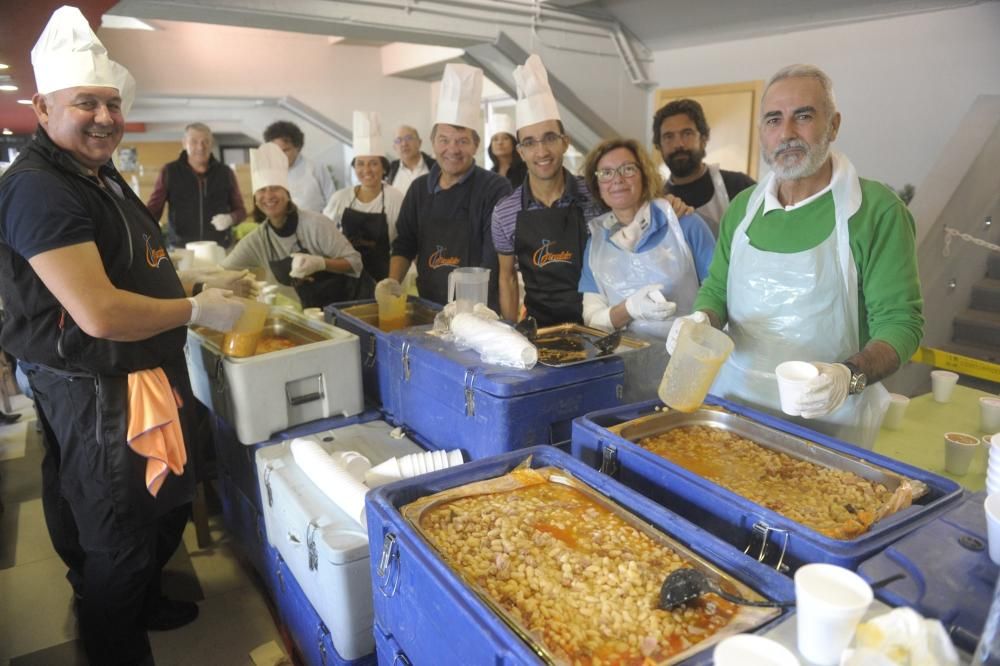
<point x="762" y="531"/>
<point x="370" y="358"/>
<point x="405" y="351"/>
<point x="470" y="394"/>
<point x="219" y="380"/>
<point x="321" y="633"/>
<point x="609" y="460"/>
<point x="311" y="531"/>
<point x="267" y="484"/>
<point x="386" y="568"/>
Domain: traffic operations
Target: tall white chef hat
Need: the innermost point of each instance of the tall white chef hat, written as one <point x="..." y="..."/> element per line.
<point x="68" y="54"/>
<point x="502" y="124"/>
<point x="461" y="96"/>
<point x="268" y="166"/>
<point x="535" y="102"/>
<point x="367" y="134"/>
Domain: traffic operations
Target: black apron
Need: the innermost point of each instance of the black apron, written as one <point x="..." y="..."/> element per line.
<point x="444" y="245"/>
<point x="321" y="288"/>
<point x="369" y="234"/>
<point x="549" y="244"/>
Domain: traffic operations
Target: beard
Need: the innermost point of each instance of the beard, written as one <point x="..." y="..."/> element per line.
<point x="814" y="158"/>
<point x="682" y="163"/>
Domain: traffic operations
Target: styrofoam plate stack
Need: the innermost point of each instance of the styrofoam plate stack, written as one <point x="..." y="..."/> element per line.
<point x="993" y="466"/>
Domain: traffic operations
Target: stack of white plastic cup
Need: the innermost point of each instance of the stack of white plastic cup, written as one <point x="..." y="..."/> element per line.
<point x="992" y="507"/>
<point x="993" y="466"/>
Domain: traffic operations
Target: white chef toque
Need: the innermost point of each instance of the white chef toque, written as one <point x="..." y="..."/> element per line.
<point x="535" y="102"/>
<point x="367" y="134"/>
<point x="268" y="166"/>
<point x="502" y="124"/>
<point x="69" y="55"/>
<point x="461" y="96"/>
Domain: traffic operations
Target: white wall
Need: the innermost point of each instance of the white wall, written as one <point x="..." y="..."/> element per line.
<point x="902" y="84"/>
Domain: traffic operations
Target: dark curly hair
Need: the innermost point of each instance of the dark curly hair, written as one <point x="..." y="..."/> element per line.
<point x="284" y="129"/>
<point x="688" y="107"/>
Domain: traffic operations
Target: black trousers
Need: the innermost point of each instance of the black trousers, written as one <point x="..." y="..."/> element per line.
<point x="114" y="540"/>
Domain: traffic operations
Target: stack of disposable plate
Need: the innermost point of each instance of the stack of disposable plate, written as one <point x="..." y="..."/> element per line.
<point x="993" y="466"/>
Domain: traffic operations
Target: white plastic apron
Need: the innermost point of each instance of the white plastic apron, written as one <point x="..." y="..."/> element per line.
<point x="621" y="272"/>
<point x="712" y="211"/>
<point x="798" y="307"/>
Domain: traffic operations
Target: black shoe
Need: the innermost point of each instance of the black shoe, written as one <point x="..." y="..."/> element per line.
<point x="7" y="419"/>
<point x="171" y="614"/>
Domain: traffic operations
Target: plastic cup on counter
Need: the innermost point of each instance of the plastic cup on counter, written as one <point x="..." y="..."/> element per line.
<point x="992" y="507"/>
<point x="942" y="384"/>
<point x="793" y="378"/>
<point x="958" y="451"/>
<point x="989" y="413"/>
<point x="830" y="601"/>
<point x="897" y="410"/>
<point x="242" y="340"/>
<point x="745" y="649"/>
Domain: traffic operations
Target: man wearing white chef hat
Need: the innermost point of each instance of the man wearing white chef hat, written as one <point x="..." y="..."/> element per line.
<point x="445" y="220"/>
<point x="813" y="264"/>
<point x="92" y="301"/>
<point x="542" y="227"/>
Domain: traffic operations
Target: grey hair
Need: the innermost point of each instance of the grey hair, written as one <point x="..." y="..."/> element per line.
<point x="198" y="127"/>
<point x="809" y="72"/>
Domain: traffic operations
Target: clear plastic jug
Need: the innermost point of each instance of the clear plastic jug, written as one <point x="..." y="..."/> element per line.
<point x="468" y="286"/>
<point x="242" y="340"/>
<point x="701" y="350"/>
<point x="391" y="309"/>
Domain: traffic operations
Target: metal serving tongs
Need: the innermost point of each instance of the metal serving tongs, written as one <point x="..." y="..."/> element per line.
<point x="607" y="344"/>
<point x="528" y="327"/>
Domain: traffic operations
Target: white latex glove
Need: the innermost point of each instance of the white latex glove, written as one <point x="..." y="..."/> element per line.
<point x="697" y="317"/>
<point x="222" y="221"/>
<point x="390" y="285"/>
<point x="306" y="264"/>
<point x="241" y="283"/>
<point x="213" y="309"/>
<point x="826" y="392"/>
<point x="648" y="303"/>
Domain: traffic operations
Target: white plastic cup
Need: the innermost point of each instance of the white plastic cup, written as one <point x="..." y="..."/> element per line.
<point x="989" y="413"/>
<point x="830" y="601"/>
<point x="958" y="451"/>
<point x="897" y="410"/>
<point x="793" y="377"/>
<point x="746" y="649"/>
<point x="992" y="507"/>
<point x="942" y="384"/>
<point x="455" y="457"/>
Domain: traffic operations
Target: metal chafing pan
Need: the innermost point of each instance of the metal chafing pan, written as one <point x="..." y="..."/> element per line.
<point x="746" y="618"/>
<point x="776" y="440"/>
<point x="290" y="326"/>
<point x="417" y="314"/>
<point x="587" y="335"/>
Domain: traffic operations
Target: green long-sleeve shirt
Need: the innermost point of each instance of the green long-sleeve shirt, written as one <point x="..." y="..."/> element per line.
<point x="883" y="239"/>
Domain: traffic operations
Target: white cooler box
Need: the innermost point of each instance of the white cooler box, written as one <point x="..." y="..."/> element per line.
<point x="264" y="394"/>
<point x="326" y="550"/>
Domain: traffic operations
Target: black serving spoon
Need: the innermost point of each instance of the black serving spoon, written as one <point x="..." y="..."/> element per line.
<point x="608" y="344"/>
<point x="528" y="327"/>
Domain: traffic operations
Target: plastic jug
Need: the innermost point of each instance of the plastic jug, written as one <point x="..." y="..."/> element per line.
<point x="242" y="340"/>
<point x="701" y="350"/>
<point x="391" y="309"/>
<point x="468" y="286"/>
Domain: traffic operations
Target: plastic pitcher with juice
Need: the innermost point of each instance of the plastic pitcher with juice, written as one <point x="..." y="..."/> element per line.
<point x="242" y="340"/>
<point x="391" y="309"/>
<point x="701" y="350"/>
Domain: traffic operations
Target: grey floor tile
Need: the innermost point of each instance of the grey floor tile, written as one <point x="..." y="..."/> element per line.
<point x="35" y="607"/>
<point x="64" y="654"/>
<point x="33" y="542"/>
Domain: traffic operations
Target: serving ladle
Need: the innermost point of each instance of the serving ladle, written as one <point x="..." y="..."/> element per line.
<point x="684" y="585"/>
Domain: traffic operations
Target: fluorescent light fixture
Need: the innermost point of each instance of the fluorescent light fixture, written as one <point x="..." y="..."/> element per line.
<point x="8" y="88"/>
<point x="124" y="23"/>
<point x="4" y="65"/>
<point x="24" y="101"/>
<point x="6" y="132"/>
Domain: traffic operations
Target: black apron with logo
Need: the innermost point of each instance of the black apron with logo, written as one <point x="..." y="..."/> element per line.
<point x="549" y="244"/>
<point x="321" y="288"/>
<point x="444" y="244"/>
<point x="369" y="234"/>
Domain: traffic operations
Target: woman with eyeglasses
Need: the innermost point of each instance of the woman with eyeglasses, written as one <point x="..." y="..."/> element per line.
<point x="642" y="265"/>
<point x="507" y="161"/>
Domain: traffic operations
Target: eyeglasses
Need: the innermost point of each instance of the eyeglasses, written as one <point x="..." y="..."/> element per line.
<point x="406" y="138"/>
<point x="548" y="140"/>
<point x="627" y="170"/>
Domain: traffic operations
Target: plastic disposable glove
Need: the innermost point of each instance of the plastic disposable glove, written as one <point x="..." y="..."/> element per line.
<point x="390" y="285"/>
<point x="304" y="265"/>
<point x="698" y="317"/>
<point x="648" y="303"/>
<point x="241" y="283"/>
<point x="825" y="392"/>
<point x="222" y="221"/>
<point x="213" y="309"/>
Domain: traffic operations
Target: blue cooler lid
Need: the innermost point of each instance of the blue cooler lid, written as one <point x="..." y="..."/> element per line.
<point x="947" y="568"/>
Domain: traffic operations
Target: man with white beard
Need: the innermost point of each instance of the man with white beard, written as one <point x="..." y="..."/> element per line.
<point x="813" y="264"/>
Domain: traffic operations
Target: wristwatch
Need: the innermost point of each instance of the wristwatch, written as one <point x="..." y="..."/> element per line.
<point x="859" y="380"/>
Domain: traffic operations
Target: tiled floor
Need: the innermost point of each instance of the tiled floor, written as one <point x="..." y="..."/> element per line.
<point x="37" y="626"/>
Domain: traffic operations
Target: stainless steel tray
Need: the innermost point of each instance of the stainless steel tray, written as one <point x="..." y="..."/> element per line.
<point x="586" y="335"/>
<point x="297" y="328"/>
<point x="747" y="618"/>
<point x="776" y="440"/>
<point x="417" y="314"/>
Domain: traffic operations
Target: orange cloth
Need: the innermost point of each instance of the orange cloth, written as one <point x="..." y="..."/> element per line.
<point x="154" y="428"/>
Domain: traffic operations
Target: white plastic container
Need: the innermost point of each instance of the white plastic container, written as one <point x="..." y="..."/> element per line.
<point x="325" y="549"/>
<point x="267" y="393"/>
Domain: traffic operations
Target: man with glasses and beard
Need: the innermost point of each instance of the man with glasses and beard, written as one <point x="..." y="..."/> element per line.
<point x="813" y="264"/>
<point x="681" y="132"/>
